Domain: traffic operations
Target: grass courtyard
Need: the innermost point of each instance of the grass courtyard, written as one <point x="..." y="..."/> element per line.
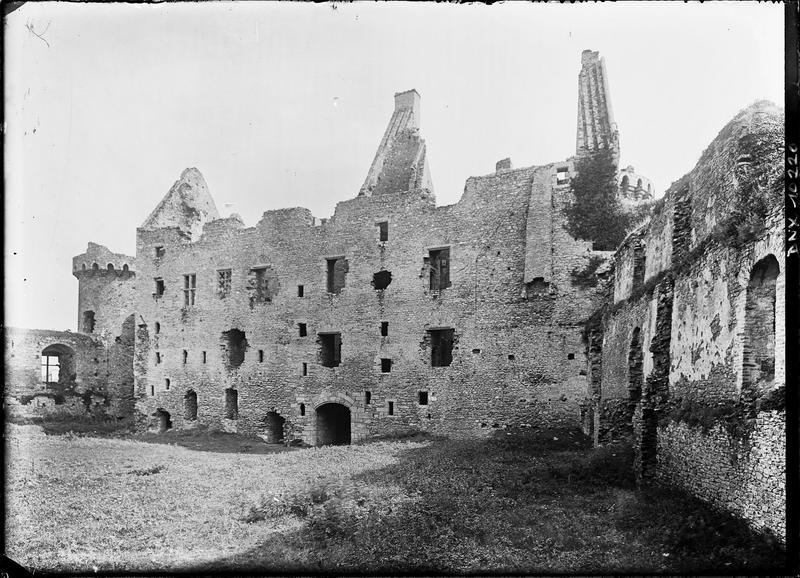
<point x="522" y="502"/>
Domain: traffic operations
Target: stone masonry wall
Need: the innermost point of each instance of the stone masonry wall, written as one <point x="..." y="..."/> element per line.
<point x="517" y="356"/>
<point x="747" y="478"/>
<point x="699" y="424"/>
<point x="81" y="388"/>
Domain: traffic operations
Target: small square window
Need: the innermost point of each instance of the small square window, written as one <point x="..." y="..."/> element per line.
<point x="384" y="328"/>
<point x="300" y="290"/>
<point x="570" y="356"/>
<point x="159" y="251"/>
<point x="422" y="397"/>
<point x="512" y="357"/>
<point x="302" y="329"/>
<point x="386" y="365"/>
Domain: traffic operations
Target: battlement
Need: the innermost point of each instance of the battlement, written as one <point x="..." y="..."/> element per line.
<point x="99" y="260"/>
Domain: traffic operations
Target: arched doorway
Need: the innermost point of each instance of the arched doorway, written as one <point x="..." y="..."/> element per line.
<point x="164" y="421"/>
<point x="272" y="428"/>
<point x="333" y="424"/>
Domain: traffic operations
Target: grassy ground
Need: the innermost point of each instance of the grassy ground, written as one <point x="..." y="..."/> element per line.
<point x="524" y="502"/>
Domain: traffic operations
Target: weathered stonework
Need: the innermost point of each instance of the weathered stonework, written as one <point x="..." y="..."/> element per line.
<point x="706" y="313"/>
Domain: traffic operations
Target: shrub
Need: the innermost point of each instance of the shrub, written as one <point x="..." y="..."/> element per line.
<point x="596" y="214"/>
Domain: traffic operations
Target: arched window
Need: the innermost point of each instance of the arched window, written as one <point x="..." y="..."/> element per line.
<point x="95" y="266"/>
<point x="625" y="183"/>
<point x="110" y="266"/>
<point x="58" y="364"/>
<point x="125" y="268"/>
<point x="758" y="359"/>
<point x="639" y="184"/>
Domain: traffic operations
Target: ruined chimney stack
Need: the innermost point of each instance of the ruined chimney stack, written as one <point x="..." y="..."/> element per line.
<point x="408" y="100"/>
<point x="503" y="165"/>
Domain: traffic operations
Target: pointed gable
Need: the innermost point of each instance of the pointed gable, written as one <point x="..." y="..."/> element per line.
<point x="188" y="205"/>
<point x="400" y="164"/>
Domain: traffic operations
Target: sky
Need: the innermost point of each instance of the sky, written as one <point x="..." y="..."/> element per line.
<point x="283" y="105"/>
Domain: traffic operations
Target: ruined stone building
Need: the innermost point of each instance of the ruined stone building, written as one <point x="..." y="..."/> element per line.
<point x="399" y="315"/>
<point x="688" y="356"/>
<point x="51" y="373"/>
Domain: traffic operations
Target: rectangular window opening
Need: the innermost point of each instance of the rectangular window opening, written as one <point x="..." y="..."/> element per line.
<point x="205" y="358"/>
<point x="166" y="384"/>
<point x="305" y="369"/>
<point x="159" y="287"/>
<point x="367" y="397"/>
<point x="302" y="329"/>
<point x="391" y="407"/>
<point x="260" y="285"/>
<point x="158" y="357"/>
<point x="185" y="356"/>
<point x="337" y="271"/>
<point x="384" y="328"/>
<point x="223" y="283"/>
<point x="422" y="397"/>
<point x="386" y="365"/>
<point x="383" y="228"/>
<point x="439" y="265"/>
<point x="159" y="251"/>
<point x="300" y="290"/>
<point x="261" y="356"/>
<point x="441" y="347"/>
<point x="189" y="288"/>
<point x="331" y="349"/>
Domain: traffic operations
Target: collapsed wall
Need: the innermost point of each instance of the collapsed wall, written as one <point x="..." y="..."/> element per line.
<point x="692" y="359"/>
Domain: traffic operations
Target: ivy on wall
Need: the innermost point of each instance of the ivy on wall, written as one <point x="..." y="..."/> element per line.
<point x="596" y="214"/>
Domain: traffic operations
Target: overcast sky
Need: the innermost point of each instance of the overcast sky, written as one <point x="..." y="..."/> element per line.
<point x="283" y="105"/>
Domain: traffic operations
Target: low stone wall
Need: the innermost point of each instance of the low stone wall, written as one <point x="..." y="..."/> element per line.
<point x="743" y="476"/>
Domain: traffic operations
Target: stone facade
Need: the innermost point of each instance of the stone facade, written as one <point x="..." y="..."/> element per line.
<point x="693" y="341"/>
<point x="452" y="319"/>
<point x="516" y="345"/>
<point x="58" y="373"/>
<point x="85" y="373"/>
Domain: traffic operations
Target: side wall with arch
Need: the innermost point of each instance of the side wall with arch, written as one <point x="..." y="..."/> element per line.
<point x="83" y="386"/>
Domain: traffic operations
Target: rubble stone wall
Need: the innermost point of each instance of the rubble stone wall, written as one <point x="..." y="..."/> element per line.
<point x="517" y="355"/>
